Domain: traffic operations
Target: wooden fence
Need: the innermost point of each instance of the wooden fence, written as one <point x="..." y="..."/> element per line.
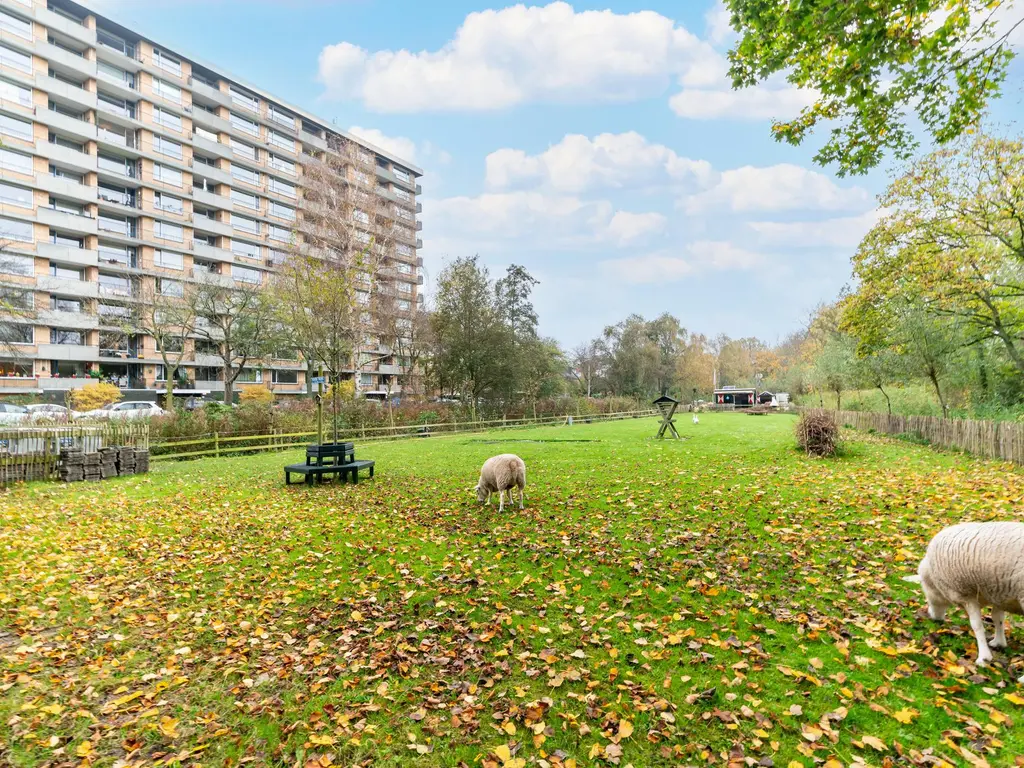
<point x="33" y="453"/>
<point x="224" y="445"/>
<point x="989" y="439"/>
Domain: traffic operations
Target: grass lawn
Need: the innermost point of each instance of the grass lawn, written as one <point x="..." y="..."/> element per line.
<point x="721" y="600"/>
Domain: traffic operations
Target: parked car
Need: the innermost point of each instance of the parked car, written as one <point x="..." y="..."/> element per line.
<point x="13" y="415"/>
<point x="126" y="410"/>
<point x="51" y="412"/>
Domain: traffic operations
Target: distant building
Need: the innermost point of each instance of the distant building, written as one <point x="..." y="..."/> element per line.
<point x="738" y="397"/>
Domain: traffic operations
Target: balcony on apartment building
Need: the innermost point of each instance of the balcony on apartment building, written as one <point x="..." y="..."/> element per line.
<point x="65" y="24"/>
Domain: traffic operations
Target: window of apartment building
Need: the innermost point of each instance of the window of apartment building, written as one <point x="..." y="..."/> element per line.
<point x="13" y="195"/>
<point x="243" y="248"/>
<point x="166" y="118"/>
<point x="242" y="149"/>
<point x="67" y="143"/>
<point x="282" y="187"/>
<point x="19" y="129"/>
<point x="404" y="250"/>
<point x="13" y="333"/>
<point x="117" y="134"/>
<point x="12" y="229"/>
<point x="17" y="264"/>
<point x="67" y="206"/>
<point x="244" y="99"/>
<point x="245" y="224"/>
<point x="61" y="304"/>
<point x="198" y="239"/>
<point x="280" y="116"/>
<point x="168" y="259"/>
<point x="277" y="258"/>
<point x="286" y="377"/>
<point x="281" y="164"/>
<point x="244" y="198"/>
<point x="205" y="267"/>
<point x="199" y="159"/>
<point x="115" y="164"/>
<point x="14" y="370"/>
<point x="166" y="62"/>
<point x="363" y="237"/>
<point x="116" y="105"/>
<point x="198" y="130"/>
<point x="116" y="42"/>
<point x="280" y="233"/>
<point x="281" y="211"/>
<point x="115" y="253"/>
<point x="205" y="213"/>
<point x="15" y="25"/>
<point x="401" y="174"/>
<point x="167" y="147"/>
<point x="164" y="230"/>
<point x="403" y="305"/>
<point x="113" y="312"/>
<point x="66" y="337"/>
<point x="68" y="241"/>
<point x="244" y="174"/>
<point x="167" y="287"/>
<point x="363" y="178"/>
<point x="401" y="194"/>
<point x="404" y="213"/>
<point x="19" y="94"/>
<point x="60" y="173"/>
<point x="14" y="297"/>
<point x="122" y="225"/>
<point x="115" y="194"/>
<point x="361" y="216"/>
<point x="65" y="273"/>
<point x="209" y="373"/>
<point x="245" y="125"/>
<point x="280" y="140"/>
<point x="404" y="269"/>
<point x="245" y="274"/>
<point x="169" y="203"/>
<point x="405" y="288"/>
<point x="15" y="59"/>
<point x="116" y="73"/>
<point x="118" y="285"/>
<point x="250" y="376"/>
<point x="166" y="90"/>
<point x="170" y="344"/>
<point x="405" y="232"/>
<point x="167" y="175"/>
<point x="15" y="162"/>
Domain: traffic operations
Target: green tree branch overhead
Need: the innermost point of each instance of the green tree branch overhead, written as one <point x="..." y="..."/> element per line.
<point x="874" y="65"/>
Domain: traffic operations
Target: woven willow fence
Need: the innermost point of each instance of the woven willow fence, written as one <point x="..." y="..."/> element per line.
<point x="33" y="453"/>
<point x="989" y="439"/>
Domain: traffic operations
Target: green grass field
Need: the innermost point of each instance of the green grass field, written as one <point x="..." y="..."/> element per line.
<point x="722" y="600"/>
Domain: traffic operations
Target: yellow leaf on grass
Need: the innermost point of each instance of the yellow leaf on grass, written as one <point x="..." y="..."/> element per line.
<point x="321" y="741"/>
<point x="625" y="729"/>
<point x="169" y="727"/>
<point x="812" y="732"/>
<point x="905" y="715"/>
<point x="357" y="616"/>
<point x="503" y="753"/>
<point x="1013" y="698"/>
<point x="84" y="749"/>
<point x="509" y="728"/>
<point x="875" y="743"/>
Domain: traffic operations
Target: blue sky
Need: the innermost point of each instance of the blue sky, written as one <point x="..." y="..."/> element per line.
<point x="596" y="144"/>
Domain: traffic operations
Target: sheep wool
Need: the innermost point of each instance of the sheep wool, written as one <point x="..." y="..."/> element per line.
<point x="499" y="474"/>
<point x="973" y="565"/>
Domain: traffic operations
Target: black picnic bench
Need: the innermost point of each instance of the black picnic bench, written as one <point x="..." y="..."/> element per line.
<point x="328" y="459"/>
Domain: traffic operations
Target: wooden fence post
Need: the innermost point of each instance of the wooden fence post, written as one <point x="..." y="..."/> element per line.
<point x="216" y="445"/>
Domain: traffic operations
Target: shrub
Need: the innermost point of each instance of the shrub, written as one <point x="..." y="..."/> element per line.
<point x="256" y="396"/>
<point x="93" y="396"/>
<point x="346" y="390"/>
<point x="817" y="433"/>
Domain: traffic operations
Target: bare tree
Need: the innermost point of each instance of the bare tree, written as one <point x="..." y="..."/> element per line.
<point x="17" y="303"/>
<point x="342" y="261"/>
<point x="405" y="333"/>
<point x="241" y="321"/>
<point x="165" y="311"/>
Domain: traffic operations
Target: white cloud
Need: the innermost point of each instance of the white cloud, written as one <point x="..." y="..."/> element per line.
<point x="397" y="145"/>
<point x="775" y="188"/>
<point x="843" y="232"/>
<point x="535" y="217"/>
<point x="670" y="266"/>
<point x="519" y="54"/>
<point x="608" y="161"/>
<point x="717" y="28"/>
<point x="758" y="103"/>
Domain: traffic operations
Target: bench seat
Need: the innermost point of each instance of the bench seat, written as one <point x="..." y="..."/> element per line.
<point x="316" y="472"/>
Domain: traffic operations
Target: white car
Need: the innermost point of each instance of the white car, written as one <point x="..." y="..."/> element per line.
<point x="13" y="415"/>
<point x="126" y="410"/>
<point x="51" y="412"/>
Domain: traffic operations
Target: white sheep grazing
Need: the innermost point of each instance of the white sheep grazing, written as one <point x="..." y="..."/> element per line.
<point x="973" y="565"/>
<point x="502" y="473"/>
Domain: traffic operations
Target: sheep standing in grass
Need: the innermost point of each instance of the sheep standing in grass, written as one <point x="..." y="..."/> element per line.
<point x="973" y="565"/>
<point x="502" y="473"/>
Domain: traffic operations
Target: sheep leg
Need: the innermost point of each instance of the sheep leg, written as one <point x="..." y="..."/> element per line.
<point x="999" y="619"/>
<point x="501" y="500"/>
<point x="522" y="496"/>
<point x="978" y="625"/>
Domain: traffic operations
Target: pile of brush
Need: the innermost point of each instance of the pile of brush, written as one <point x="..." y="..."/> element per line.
<point x="817" y="433"/>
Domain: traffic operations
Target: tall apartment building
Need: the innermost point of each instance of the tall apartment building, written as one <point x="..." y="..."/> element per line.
<point x="125" y="165"/>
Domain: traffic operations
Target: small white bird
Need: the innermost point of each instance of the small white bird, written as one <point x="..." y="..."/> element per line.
<point x="695" y="419"/>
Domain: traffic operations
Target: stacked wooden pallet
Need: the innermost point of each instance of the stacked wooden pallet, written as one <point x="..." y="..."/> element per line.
<point x="72" y="465"/>
<point x="126" y="461"/>
<point x="142" y="461"/>
<point x="76" y="466"/>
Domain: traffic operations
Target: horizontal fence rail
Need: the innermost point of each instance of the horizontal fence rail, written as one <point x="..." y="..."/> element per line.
<point x="217" y="445"/>
<point x="33" y="453"/>
<point x="989" y="439"/>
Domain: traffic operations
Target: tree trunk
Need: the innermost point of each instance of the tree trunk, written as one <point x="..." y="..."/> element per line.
<point x="885" y="394"/>
<point x="169" y="389"/>
<point x="229" y="388"/>
<point x="934" y="378"/>
<point x="839" y="400"/>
